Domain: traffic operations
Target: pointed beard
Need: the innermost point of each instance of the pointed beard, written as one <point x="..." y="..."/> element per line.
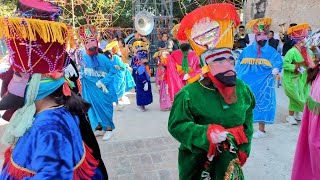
<point x="228" y="81"/>
<point x="262" y="43"/>
<point x="228" y="93"/>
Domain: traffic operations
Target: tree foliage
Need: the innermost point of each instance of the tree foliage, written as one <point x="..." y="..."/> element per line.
<point x="121" y="11"/>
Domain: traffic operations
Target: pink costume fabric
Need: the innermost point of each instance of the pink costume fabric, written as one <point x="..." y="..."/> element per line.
<point x="161" y="81"/>
<point x="175" y="74"/>
<point x="17" y="84"/>
<point x="307" y="158"/>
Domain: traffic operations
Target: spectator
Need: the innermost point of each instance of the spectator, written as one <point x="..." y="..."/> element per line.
<point x="101" y="42"/>
<point x="287" y="42"/>
<point x="273" y="42"/>
<point x="124" y="51"/>
<point x="163" y="44"/>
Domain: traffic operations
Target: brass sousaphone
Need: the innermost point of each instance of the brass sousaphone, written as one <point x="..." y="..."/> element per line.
<point x="144" y="23"/>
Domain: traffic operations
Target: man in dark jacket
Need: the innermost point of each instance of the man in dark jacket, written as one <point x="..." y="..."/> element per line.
<point x="287" y="42"/>
<point x="242" y="38"/>
<point x="272" y="41"/>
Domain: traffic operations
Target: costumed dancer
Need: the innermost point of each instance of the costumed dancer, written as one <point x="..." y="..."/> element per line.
<point x="97" y="84"/>
<point x="143" y="83"/>
<point x="306" y="162"/>
<point x="258" y="65"/>
<point x="123" y="80"/>
<point x="183" y="67"/>
<point x="296" y="62"/>
<point x="212" y="118"/>
<point x="72" y="73"/>
<point x="46" y="128"/>
<point x="161" y="80"/>
<point x="137" y="46"/>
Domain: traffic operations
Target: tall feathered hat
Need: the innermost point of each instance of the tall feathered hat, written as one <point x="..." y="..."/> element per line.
<point x="37" y="45"/>
<point x="209" y="27"/>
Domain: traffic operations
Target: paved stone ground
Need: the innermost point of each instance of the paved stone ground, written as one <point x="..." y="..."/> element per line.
<point x="142" y="148"/>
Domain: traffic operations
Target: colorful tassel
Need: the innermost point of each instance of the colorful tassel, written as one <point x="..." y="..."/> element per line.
<point x="48" y="31"/>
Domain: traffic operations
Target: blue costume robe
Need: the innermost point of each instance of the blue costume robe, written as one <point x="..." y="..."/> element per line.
<point x="142" y="76"/>
<point x="50" y="149"/>
<point x="97" y="68"/>
<point x="257" y="73"/>
<point x="123" y="80"/>
<point x="134" y="66"/>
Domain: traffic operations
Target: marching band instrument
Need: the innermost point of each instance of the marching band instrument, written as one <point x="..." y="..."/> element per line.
<point x="241" y="35"/>
<point x="282" y="30"/>
<point x="144" y="23"/>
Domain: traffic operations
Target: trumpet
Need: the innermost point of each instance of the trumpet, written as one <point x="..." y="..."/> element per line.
<point x="282" y="30"/>
<point x="241" y="35"/>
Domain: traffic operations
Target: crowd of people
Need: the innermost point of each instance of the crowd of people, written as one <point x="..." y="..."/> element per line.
<point x="60" y="94"/>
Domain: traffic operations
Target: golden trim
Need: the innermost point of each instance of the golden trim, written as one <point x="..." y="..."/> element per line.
<point x="33" y="172"/>
<point x="82" y="158"/>
<point x="194" y="79"/>
<point x="230" y="169"/>
<point x="19" y="167"/>
<point x="256" y="61"/>
<point x="50" y="108"/>
<point x="206" y="86"/>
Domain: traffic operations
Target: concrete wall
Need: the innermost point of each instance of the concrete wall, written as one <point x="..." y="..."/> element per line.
<point x="284" y="11"/>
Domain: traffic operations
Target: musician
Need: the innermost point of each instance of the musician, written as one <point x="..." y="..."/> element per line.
<point x="287" y="42"/>
<point x="139" y="37"/>
<point x="241" y="39"/>
<point x="173" y="43"/>
<point x="102" y="43"/>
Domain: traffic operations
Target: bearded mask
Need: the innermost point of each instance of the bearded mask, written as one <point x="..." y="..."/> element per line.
<point x="261" y="38"/>
<point x="221" y="65"/>
<point x="222" y="72"/>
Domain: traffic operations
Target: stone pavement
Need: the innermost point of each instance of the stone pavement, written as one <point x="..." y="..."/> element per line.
<point x="142" y="148"/>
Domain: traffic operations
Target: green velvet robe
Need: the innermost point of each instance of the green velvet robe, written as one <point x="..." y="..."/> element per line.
<point x="295" y="85"/>
<point x="196" y="107"/>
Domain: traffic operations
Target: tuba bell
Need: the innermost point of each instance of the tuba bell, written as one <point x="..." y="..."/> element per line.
<point x="144" y="23"/>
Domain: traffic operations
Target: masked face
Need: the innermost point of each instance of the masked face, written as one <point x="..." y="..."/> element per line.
<point x="91" y="45"/>
<point x="185" y="47"/>
<point x="223" y="70"/>
<point x="261" y="38"/>
<point x="206" y="33"/>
